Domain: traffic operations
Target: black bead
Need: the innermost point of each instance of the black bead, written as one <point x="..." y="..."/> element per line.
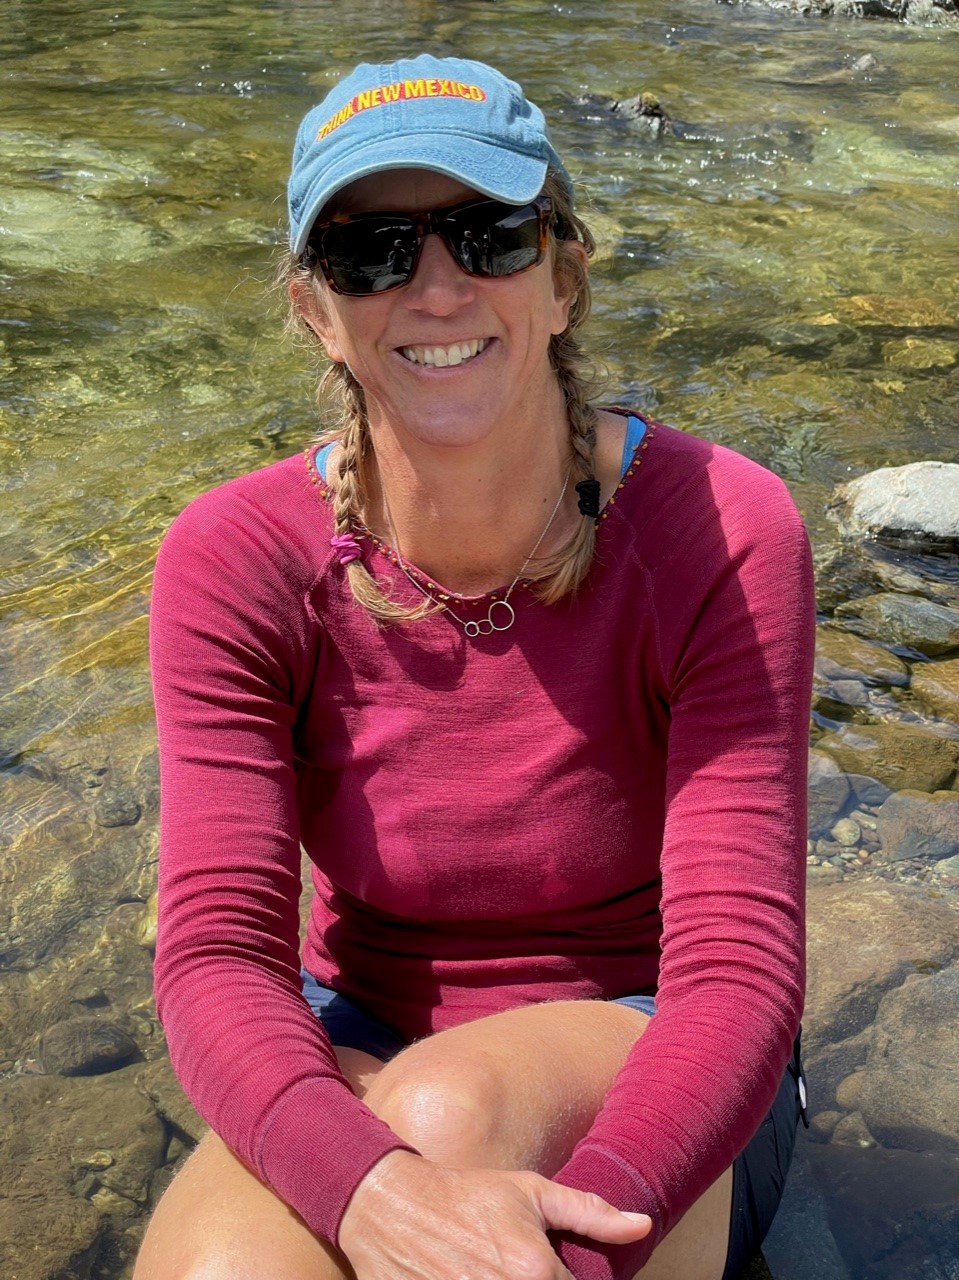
<point x="588" y="491"/>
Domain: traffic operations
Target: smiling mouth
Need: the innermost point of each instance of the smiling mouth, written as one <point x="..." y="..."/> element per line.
<point x="446" y="357"/>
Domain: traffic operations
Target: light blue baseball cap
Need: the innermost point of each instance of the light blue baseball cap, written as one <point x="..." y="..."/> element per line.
<point x="451" y="115"/>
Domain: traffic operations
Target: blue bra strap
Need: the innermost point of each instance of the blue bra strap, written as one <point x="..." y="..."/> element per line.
<point x="635" y="430"/>
<point x="322" y="457"/>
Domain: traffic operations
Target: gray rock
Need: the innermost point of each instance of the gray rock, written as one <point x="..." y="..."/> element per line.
<point x="840" y="655"/>
<point x="917" y="503"/>
<point x="828" y="792"/>
<point x="946" y="873"/>
<point x="851" y="1131"/>
<point x="79" y="1145"/>
<point x="901" y="756"/>
<point x="936" y="686"/>
<point x="921" y="624"/>
<point x="911" y="1078"/>
<point x="116" y="807"/>
<point x="46" y="1232"/>
<point x="828" y="1062"/>
<point x="846" y="833"/>
<point x="158" y="1083"/>
<point x="848" y="1091"/>
<point x="822" y="1124"/>
<point x="868" y="791"/>
<point x="893" y="1213"/>
<point x="863" y="940"/>
<point x="85" y="1046"/>
<point x="838" y="699"/>
<point x="915" y="824"/>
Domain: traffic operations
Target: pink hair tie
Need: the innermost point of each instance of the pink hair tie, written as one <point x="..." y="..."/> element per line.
<point x="346" y="547"/>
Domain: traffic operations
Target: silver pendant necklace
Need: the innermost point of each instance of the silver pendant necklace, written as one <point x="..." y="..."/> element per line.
<point x="501" y="621"/>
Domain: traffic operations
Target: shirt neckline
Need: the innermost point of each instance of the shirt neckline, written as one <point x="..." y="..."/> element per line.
<point x="436" y="589"/>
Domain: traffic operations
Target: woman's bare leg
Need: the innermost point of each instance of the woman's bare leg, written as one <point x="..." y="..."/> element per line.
<point x="216" y="1221"/>
<point x="515" y="1091"/>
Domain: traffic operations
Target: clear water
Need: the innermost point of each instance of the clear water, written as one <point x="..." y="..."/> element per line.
<point x="785" y="281"/>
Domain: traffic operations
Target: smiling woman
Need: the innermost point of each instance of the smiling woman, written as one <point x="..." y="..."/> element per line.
<point x="529" y="683"/>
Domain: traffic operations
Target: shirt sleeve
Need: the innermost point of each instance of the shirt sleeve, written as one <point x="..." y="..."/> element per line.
<point x="732" y="580"/>
<point x="232" y="655"/>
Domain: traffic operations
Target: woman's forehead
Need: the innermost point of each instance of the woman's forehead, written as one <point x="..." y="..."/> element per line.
<point x="399" y="190"/>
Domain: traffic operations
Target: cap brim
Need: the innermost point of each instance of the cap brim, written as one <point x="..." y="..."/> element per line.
<point x="492" y="170"/>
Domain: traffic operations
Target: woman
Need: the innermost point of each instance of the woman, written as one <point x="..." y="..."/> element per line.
<point x="529" y="681"/>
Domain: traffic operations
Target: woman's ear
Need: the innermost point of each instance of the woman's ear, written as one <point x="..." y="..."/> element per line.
<point x="569" y="272"/>
<point x="308" y="306"/>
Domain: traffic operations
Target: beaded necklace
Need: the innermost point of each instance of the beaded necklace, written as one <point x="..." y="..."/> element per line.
<point x="492" y="622"/>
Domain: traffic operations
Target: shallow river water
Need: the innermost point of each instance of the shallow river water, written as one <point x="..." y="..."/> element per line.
<point x="783" y="278"/>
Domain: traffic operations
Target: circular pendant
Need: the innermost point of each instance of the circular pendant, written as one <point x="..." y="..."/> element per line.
<point x="471" y="629"/>
<point x="508" y="619"/>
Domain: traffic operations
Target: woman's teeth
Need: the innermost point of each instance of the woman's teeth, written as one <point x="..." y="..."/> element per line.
<point x="443" y="357"/>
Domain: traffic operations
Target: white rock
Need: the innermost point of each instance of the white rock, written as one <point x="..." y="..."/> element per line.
<point x="917" y="501"/>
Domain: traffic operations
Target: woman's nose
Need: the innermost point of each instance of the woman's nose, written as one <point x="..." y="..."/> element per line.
<point x="439" y="284"/>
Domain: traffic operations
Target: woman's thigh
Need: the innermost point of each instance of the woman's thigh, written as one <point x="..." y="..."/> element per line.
<point x="217" y="1221"/>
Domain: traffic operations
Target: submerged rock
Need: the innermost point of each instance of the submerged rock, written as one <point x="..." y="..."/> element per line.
<point x="911" y="12"/>
<point x="893" y="1213"/>
<point x="85" y="1046"/>
<point x="840" y="655"/>
<point x="936" y="686"/>
<point x="911" y="1080"/>
<point x="914" y="824"/>
<point x="917" y="504"/>
<point x="901" y="756"/>
<point x="921" y="624"/>
<point x="828" y="792"/>
<point x="864" y="940"/>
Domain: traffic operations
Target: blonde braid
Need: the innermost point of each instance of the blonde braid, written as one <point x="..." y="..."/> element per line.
<point x="562" y="572"/>
<point x="351" y="496"/>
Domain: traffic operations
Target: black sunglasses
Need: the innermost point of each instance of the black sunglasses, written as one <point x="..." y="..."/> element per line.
<point x="364" y="253"/>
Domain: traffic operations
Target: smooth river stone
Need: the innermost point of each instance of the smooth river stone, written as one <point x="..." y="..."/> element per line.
<point x="918" y="502"/>
<point x="85" y="1046"/>
<point x="912" y="824"/>
<point x="864" y="940"/>
<point x="931" y="628"/>
<point x="936" y="686"/>
<point x="902" y="756"/>
<point x="828" y="792"/>
<point x="840" y="655"/>
<point x="911" y="1082"/>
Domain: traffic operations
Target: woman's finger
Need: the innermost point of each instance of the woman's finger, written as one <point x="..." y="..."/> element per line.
<point x="587" y="1214"/>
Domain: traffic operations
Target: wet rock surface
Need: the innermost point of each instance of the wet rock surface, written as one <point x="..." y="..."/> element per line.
<point x="917" y="503"/>
<point x="912" y="621"/>
<point x="902" y="756"/>
<point x="915" y="824"/>
<point x="864" y="940"/>
<point x="935" y="685"/>
<point x="910" y="1082"/>
<point x="85" y="1046"/>
<point x="936" y="13"/>
<point x="85" y="1182"/>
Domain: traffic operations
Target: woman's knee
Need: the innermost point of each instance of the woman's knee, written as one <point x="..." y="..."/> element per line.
<point x="450" y="1108"/>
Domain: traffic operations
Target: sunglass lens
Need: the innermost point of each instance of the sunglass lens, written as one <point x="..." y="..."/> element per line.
<point x="370" y="255"/>
<point x="492" y="239"/>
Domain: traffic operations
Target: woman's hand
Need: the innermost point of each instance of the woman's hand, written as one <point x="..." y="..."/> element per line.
<point x="410" y="1218"/>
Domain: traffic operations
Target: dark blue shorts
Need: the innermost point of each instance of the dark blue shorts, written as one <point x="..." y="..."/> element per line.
<point x="759" y="1174"/>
